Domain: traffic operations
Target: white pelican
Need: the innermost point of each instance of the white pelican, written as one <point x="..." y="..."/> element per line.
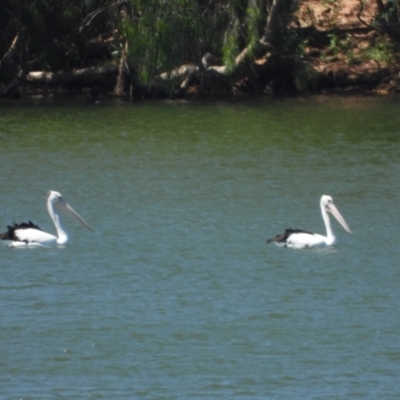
<point x="298" y="239"/>
<point x="29" y="234"/>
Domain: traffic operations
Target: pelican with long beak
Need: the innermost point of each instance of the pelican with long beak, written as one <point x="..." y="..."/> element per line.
<point x="298" y="239"/>
<point x="29" y="234"/>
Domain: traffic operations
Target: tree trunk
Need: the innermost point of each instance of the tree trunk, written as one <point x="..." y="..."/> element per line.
<point x="273" y="22"/>
<point x="122" y="85"/>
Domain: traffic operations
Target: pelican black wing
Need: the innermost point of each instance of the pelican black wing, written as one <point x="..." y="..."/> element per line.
<point x="10" y="234"/>
<point x="283" y="237"/>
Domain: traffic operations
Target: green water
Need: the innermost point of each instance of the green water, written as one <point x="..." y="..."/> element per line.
<point x="177" y="295"/>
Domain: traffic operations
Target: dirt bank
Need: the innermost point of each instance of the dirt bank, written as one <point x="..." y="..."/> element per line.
<point x="346" y="46"/>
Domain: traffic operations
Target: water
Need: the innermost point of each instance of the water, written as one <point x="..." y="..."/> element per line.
<point x="176" y="295"/>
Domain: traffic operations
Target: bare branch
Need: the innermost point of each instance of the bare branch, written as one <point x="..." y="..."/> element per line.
<point x="90" y="17"/>
<point x="11" y="50"/>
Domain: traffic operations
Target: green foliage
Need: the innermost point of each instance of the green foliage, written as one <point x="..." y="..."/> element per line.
<point x="160" y="35"/>
<point x="165" y="34"/>
<point x="246" y="21"/>
<point x="380" y="51"/>
<point x="391" y="11"/>
<point x="230" y="47"/>
<point x="334" y="43"/>
<point x="253" y="25"/>
<point x="340" y="44"/>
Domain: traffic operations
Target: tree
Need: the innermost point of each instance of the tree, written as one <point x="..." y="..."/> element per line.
<point x="158" y="46"/>
<point x="43" y="35"/>
<point x="162" y="37"/>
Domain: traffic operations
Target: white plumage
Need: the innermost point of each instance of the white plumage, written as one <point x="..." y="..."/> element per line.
<point x="29" y="234"/>
<point x="298" y="238"/>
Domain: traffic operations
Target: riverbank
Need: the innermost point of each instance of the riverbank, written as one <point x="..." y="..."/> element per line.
<point x="327" y="47"/>
<point x="345" y="48"/>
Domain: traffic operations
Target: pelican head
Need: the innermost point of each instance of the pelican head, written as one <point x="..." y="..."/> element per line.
<point x="55" y="199"/>
<point x="327" y="205"/>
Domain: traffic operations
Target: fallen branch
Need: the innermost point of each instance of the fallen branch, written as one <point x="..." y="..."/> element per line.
<point x="183" y="71"/>
<point x="71" y="77"/>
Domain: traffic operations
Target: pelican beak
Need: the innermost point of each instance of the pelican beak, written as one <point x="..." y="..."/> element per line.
<point x="64" y="206"/>
<point x="335" y="212"/>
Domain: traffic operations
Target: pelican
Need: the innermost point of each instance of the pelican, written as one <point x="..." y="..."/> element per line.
<point x="29" y="234"/>
<point x="298" y="239"/>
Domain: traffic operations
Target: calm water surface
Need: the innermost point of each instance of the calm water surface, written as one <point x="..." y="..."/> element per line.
<point x="177" y="295"/>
